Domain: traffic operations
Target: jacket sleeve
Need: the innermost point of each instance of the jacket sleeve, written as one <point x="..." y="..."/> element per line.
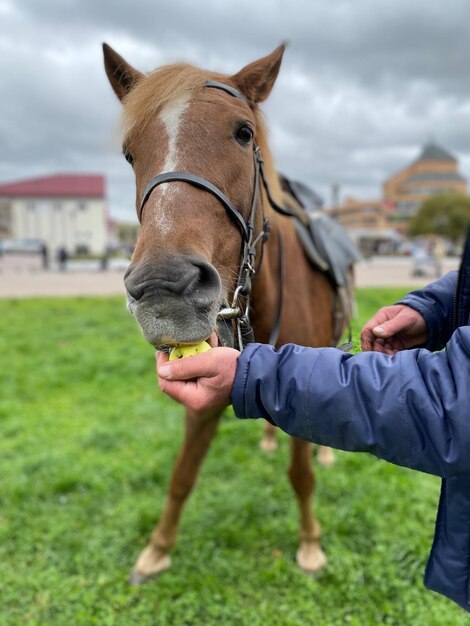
<point x="436" y="302"/>
<point x="412" y="409"/>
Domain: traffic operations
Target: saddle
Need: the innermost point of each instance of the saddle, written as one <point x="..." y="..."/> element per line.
<point x="325" y="242"/>
<point x="327" y="246"/>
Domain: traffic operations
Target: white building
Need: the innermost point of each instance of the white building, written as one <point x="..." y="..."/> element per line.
<point x="63" y="211"/>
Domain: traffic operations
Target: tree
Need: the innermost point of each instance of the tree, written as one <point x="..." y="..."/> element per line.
<point x="446" y="214"/>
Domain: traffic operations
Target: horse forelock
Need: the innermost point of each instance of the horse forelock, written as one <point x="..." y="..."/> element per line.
<point x="155" y="90"/>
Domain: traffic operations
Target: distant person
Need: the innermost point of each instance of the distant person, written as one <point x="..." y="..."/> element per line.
<point x="45" y="256"/>
<point x="62" y="257"/>
<point x="439" y="253"/>
<point x="104" y="262"/>
<point x="421" y="258"/>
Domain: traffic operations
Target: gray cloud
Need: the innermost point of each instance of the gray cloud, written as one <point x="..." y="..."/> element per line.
<point x="363" y="85"/>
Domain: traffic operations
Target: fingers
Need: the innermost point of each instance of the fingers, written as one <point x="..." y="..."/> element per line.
<point x="368" y="337"/>
<point x="391" y="327"/>
<point x="387" y="323"/>
<point x="387" y="329"/>
<point x="162" y="357"/>
<point x="213" y="340"/>
<point x="407" y="321"/>
<point x="196" y="366"/>
<point x="188" y="393"/>
<point x="182" y="369"/>
<point x="385" y="346"/>
<point x="203" y="382"/>
<point x="180" y="390"/>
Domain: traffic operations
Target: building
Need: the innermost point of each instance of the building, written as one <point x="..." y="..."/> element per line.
<point x="63" y="211"/>
<point x="360" y="214"/>
<point x="367" y="223"/>
<point x="434" y="172"/>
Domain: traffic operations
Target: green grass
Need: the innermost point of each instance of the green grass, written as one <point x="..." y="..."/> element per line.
<point x="87" y="443"/>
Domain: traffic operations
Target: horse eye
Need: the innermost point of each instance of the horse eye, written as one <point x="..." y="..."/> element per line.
<point x="128" y="156"/>
<point x="244" y="134"/>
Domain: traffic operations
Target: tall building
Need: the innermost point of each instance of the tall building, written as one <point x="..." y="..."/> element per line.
<point x="63" y="211"/>
<point x="434" y="172"/>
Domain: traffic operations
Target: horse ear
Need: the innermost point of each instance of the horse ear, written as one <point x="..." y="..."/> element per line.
<point x="256" y="80"/>
<point x="121" y="75"/>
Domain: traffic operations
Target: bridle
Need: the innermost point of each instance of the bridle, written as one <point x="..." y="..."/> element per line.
<point x="236" y="311"/>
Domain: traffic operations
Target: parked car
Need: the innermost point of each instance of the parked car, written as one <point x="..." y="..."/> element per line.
<point x="35" y="246"/>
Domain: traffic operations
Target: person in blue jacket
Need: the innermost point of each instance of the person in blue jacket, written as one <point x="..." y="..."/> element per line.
<point x="411" y="401"/>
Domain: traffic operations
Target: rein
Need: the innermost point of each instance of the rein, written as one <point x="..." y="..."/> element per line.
<point x="248" y="255"/>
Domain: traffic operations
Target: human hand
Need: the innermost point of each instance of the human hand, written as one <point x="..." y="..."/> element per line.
<point x="394" y="328"/>
<point x="203" y="382"/>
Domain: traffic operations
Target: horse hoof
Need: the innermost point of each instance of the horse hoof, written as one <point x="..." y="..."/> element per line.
<point x="149" y="565"/>
<point x="136" y="578"/>
<point x="268" y="444"/>
<point x="326" y="456"/>
<point x="310" y="557"/>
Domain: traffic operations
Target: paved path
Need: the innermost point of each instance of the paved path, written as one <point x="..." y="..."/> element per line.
<point x="40" y="283"/>
<point x="395" y="272"/>
<point x="20" y="282"/>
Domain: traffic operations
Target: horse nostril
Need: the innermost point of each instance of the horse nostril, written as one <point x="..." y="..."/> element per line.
<point x="204" y="283"/>
<point x="187" y="277"/>
<point x="134" y="286"/>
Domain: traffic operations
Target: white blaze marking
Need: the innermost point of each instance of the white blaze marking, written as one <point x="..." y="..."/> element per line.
<point x="171" y="117"/>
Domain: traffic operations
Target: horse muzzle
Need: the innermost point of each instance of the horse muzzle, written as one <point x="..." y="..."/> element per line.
<point x="175" y="301"/>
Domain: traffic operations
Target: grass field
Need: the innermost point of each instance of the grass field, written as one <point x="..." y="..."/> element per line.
<point x="87" y="443"/>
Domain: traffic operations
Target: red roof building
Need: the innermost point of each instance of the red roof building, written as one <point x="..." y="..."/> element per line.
<point x="58" y="186"/>
<point x="62" y="211"/>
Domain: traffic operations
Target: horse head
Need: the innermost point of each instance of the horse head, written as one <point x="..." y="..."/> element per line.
<point x="185" y="266"/>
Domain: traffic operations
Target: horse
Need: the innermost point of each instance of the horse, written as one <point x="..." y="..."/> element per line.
<point x="218" y="254"/>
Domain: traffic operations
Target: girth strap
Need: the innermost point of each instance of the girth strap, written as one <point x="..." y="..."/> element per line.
<point x="201" y="183"/>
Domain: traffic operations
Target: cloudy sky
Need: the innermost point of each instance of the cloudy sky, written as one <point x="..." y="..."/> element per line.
<point x="364" y="83"/>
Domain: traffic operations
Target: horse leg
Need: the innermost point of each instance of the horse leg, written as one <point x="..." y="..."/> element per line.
<point x="310" y="557"/>
<point x="155" y="557"/>
<point x="269" y="441"/>
<point x="326" y="456"/>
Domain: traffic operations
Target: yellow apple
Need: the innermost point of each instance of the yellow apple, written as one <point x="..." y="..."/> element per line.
<point x="181" y="352"/>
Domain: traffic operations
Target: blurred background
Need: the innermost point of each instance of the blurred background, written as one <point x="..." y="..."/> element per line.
<point x="371" y="110"/>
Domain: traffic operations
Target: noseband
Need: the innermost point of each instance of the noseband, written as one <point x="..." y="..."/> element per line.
<point x="248" y="254"/>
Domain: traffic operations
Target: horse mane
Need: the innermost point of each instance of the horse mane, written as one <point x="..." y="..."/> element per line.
<point x="169" y="82"/>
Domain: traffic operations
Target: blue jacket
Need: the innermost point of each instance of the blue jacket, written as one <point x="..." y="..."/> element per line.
<point x="412" y="409"/>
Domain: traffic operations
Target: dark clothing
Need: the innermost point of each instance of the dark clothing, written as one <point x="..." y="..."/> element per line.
<point x="62" y="257"/>
<point x="412" y="409"/>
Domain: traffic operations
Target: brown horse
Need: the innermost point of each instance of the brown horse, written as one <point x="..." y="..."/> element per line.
<point x="186" y="280"/>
